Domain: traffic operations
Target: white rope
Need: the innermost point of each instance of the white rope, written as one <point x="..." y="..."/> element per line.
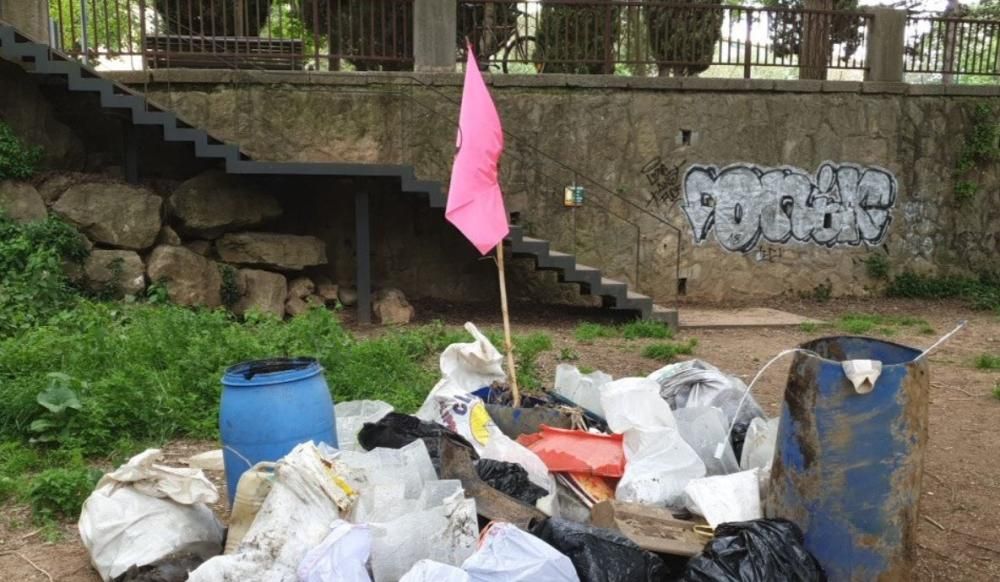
<point x="943" y="339"/>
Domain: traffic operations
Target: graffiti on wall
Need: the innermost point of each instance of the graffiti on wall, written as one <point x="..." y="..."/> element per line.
<point x="744" y="204"/>
<point x="664" y="182"/>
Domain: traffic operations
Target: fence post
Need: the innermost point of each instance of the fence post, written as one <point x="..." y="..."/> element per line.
<point x="886" y="38"/>
<point x="30" y="17"/>
<point x="434" y="35"/>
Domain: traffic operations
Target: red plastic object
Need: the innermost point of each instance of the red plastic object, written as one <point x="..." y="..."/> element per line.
<point x="577" y="451"/>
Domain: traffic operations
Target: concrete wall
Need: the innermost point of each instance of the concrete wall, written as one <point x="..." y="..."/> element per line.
<point x="729" y="189"/>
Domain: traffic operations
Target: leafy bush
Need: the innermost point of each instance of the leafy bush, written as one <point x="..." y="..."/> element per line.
<point x="33" y="284"/>
<point x="988" y="362"/>
<point x="982" y="292"/>
<point x="667" y="351"/>
<point x="61" y="492"/>
<point x="17" y="160"/>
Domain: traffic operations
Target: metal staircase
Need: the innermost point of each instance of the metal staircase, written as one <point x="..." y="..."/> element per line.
<point x="40" y="59"/>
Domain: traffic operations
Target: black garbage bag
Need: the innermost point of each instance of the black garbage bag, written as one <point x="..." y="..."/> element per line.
<point x="598" y="554"/>
<point x="755" y="551"/>
<point x="172" y="568"/>
<point x="395" y="431"/>
<point x="511" y="479"/>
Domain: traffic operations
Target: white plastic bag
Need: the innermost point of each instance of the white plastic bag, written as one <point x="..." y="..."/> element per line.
<point x="705" y="429"/>
<point x="725" y="498"/>
<point x="465" y="368"/>
<point x="431" y="571"/>
<point x="144" y="511"/>
<point x="696" y="383"/>
<point x="658" y="461"/>
<point x="511" y="555"/>
<point x="341" y="557"/>
<point x="758" y="448"/>
<point x="353" y="415"/>
<point x="584" y="390"/>
<point x="306" y="497"/>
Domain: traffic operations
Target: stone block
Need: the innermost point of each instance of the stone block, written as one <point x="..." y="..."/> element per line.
<point x="212" y="203"/>
<point x="263" y="291"/>
<point x="285" y="252"/>
<point x="21" y="202"/>
<point x="190" y="278"/>
<point x="117" y="215"/>
<point x="118" y="271"/>
<point x="392" y="308"/>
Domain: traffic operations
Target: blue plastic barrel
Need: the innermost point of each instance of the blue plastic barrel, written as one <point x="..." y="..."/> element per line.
<point x="268" y="407"/>
<point x="848" y="466"/>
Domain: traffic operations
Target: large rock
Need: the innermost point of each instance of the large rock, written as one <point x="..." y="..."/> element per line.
<point x="263" y="291"/>
<point x="117" y="272"/>
<point x="21" y="202"/>
<point x="213" y="203"/>
<point x="168" y="236"/>
<point x="201" y="247"/>
<point x="118" y="215"/>
<point x="190" y="278"/>
<point x="391" y="307"/>
<point x="54" y="184"/>
<point x="299" y="305"/>
<point x="327" y="290"/>
<point x="301" y="287"/>
<point x="286" y="252"/>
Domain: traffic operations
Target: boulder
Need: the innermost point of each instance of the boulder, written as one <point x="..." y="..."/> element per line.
<point x="201" y="247"/>
<point x="212" y="203"/>
<point x="327" y="290"/>
<point x="261" y="290"/>
<point x="391" y="307"/>
<point x="117" y="215"/>
<point x="53" y="185"/>
<point x="285" y="252"/>
<point x="301" y="287"/>
<point x="348" y="296"/>
<point x="296" y="306"/>
<point x="21" y="202"/>
<point x="190" y="278"/>
<point x="168" y="236"/>
<point x="120" y="272"/>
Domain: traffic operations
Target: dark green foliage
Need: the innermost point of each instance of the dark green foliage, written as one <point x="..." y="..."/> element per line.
<point x="681" y="39"/>
<point x="981" y="150"/>
<point x="230" y="291"/>
<point x="17" y="160"/>
<point x="646" y="329"/>
<point x="877" y="266"/>
<point x="667" y="351"/>
<point x="786" y="27"/>
<point x="988" y="362"/>
<point x="60" y="493"/>
<point x="981" y="292"/>
<point x="527" y="349"/>
<point x="33" y="285"/>
<point x="567" y="34"/>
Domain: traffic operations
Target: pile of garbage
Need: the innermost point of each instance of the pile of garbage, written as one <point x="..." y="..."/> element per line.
<point x="599" y="480"/>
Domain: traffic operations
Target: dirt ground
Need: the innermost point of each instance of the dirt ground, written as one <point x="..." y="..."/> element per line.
<point x="959" y="532"/>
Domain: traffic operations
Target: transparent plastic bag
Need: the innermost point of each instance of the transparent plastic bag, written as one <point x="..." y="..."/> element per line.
<point x="509" y="554"/>
<point x="705" y="429"/>
<point x="353" y="415"/>
<point x="584" y="390"/>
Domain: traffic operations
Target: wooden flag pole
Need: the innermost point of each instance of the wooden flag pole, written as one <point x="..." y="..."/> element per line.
<point x="508" y="345"/>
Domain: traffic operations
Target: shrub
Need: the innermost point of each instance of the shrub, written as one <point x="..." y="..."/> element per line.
<point x="17" y="160"/>
<point x="982" y="292"/>
<point x="61" y="492"/>
<point x="33" y="284"/>
<point x="667" y="351"/>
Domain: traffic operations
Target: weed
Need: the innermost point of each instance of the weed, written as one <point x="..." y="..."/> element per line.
<point x="877" y="266"/>
<point x="996" y="391"/>
<point x="587" y="332"/>
<point x="56" y="493"/>
<point x="17" y="160"/>
<point x="646" y="329"/>
<point x="926" y="329"/>
<point x="862" y="323"/>
<point x="586" y="370"/>
<point x="157" y="293"/>
<point x="667" y="351"/>
<point x="60" y="402"/>
<point x="568" y="355"/>
<point x="527" y="349"/>
<point x="988" y="362"/>
<point x="965" y="191"/>
<point x="982" y="292"/>
<point x="229" y="291"/>
<point x="821" y="293"/>
<point x="809" y="327"/>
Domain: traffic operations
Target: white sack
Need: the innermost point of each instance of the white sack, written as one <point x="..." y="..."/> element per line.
<point x="511" y="555"/>
<point x="143" y="511"/>
<point x="725" y="498"/>
<point x="306" y="497"/>
<point x="431" y="571"/>
<point x="341" y="557"/>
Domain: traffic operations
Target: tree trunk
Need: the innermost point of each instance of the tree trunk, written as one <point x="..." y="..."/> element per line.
<point x="816" y="46"/>
<point x="948" y="43"/>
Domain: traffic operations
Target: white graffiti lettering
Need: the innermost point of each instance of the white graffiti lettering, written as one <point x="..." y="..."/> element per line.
<point x="843" y="204"/>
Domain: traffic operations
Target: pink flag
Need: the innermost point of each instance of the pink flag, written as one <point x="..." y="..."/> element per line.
<point x="475" y="203"/>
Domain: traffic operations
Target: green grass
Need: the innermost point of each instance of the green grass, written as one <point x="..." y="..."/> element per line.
<point x="988" y="362"/>
<point x="864" y="323"/>
<point x="996" y="391"/>
<point x="587" y="332"/>
<point x="667" y="351"/>
<point x="981" y="292"/>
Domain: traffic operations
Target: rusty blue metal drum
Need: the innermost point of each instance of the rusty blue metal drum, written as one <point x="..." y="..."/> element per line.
<point x="848" y="466"/>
